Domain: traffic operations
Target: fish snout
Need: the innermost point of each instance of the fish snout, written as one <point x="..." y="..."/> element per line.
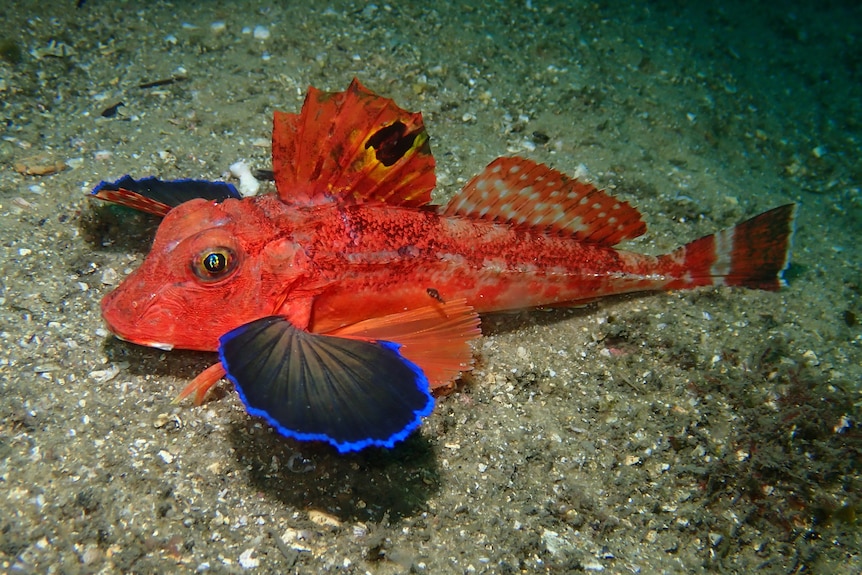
<point x="137" y="320"/>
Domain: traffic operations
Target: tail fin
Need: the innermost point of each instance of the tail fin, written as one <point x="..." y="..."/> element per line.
<point x="752" y="254"/>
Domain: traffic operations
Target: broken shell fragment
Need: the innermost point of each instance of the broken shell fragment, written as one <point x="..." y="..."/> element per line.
<point x="39" y="165"/>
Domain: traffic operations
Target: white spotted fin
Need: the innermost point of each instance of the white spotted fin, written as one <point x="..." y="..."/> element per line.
<point x="533" y="196"/>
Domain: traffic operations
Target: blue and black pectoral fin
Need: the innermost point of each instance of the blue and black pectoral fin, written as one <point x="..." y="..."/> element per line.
<point x="157" y="197"/>
<point x="352" y="393"/>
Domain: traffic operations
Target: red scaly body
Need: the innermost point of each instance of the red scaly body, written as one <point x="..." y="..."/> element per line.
<point x="331" y="265"/>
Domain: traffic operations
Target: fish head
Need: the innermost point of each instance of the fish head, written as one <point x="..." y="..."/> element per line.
<point x="203" y="277"/>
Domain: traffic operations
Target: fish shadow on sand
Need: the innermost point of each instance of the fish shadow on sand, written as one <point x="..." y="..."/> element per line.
<point x="507" y="322"/>
<point x="118" y="229"/>
<point x="374" y="485"/>
<point x="179" y="366"/>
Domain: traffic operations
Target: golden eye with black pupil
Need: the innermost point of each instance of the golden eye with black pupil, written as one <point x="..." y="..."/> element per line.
<point x="214" y="263"/>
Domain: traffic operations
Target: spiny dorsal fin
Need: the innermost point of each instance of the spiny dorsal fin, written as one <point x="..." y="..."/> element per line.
<point x="533" y="196"/>
<point x="352" y="146"/>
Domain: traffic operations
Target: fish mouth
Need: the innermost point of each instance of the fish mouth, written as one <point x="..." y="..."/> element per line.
<point x="157" y="345"/>
<point x="141" y="324"/>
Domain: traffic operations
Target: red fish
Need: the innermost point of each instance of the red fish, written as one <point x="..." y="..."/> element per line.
<point x="337" y="303"/>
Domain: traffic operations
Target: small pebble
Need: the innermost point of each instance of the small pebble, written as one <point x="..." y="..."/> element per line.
<point x="323" y="519"/>
<point x="811" y="358"/>
<point x="261" y="33"/>
<point x="246" y="561"/>
<point x="110" y="276"/>
<point x="218" y="27"/>
<point x="91" y="555"/>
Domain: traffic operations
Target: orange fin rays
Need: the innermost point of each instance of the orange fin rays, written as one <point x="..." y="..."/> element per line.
<point x="434" y="337"/>
<point x="363" y="148"/>
<point x="200" y="385"/>
<point x="533" y="196"/>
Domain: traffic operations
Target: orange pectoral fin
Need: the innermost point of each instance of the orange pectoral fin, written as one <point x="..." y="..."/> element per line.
<point x="202" y="383"/>
<point x="434" y="337"/>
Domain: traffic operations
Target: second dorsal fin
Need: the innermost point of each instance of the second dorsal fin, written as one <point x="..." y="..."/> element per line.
<point x="533" y="196"/>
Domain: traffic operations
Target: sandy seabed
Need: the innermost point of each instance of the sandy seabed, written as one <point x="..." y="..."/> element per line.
<point x="688" y="432"/>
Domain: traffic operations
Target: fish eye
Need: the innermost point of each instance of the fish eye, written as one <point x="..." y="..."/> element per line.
<point x="214" y="263"/>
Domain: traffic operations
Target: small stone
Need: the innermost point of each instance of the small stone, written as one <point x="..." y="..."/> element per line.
<point x="260" y="33"/>
<point x="811" y="358"/>
<point x="91" y="555"/>
<point x="715" y="538"/>
<point x="105" y="375"/>
<point x="246" y="561"/>
<point x="110" y="276"/>
<point x="324" y="519"/>
<point x="555" y="544"/>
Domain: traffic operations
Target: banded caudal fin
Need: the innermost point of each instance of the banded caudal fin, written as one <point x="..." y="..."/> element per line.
<point x="752" y="254"/>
